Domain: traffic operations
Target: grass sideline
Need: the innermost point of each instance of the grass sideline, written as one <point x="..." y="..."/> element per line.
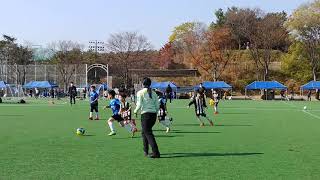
<point x="251" y="140"/>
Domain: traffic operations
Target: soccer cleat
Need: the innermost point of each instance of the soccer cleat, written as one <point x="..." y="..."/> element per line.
<point x="90" y="118"/>
<point x="202" y="125"/>
<point x="216" y="112"/>
<point x="96" y="119"/>
<point x="211" y="123"/>
<point x="168" y="130"/>
<point x="134" y="131"/>
<point x="154" y="156"/>
<point x="112" y="133"/>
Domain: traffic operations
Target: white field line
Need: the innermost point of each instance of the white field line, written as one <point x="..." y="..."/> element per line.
<point x="305" y="111"/>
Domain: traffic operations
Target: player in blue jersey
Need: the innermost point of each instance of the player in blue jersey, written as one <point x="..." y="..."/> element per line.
<point x="114" y="105"/>
<point x="94" y="96"/>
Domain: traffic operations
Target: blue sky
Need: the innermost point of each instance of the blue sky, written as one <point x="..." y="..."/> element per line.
<point x="44" y="21"/>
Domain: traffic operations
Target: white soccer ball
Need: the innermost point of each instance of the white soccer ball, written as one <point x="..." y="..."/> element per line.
<point x="80" y="131"/>
<point x="230" y="98"/>
<point x="305" y="108"/>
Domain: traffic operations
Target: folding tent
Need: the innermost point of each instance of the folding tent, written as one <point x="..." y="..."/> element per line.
<point x="3" y="84"/>
<point x="40" y="84"/>
<point x="214" y="85"/>
<point x="259" y="85"/>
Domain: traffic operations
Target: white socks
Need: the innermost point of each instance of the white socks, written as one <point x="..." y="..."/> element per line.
<point x="90" y="114"/>
<point x="111" y="126"/>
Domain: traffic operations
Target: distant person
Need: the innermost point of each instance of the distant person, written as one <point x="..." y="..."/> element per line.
<point x="202" y="89"/>
<point x="148" y="104"/>
<point x="168" y="93"/>
<point x="30" y="92"/>
<point x="282" y="94"/>
<point x="37" y="92"/>
<point x="94" y="97"/>
<point x="215" y="97"/>
<point x="72" y="93"/>
<point x="199" y="102"/>
<point x="84" y="93"/>
<point x="309" y="95"/>
<point x="52" y="93"/>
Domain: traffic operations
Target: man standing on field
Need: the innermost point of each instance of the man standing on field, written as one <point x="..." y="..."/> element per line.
<point x="72" y="93"/>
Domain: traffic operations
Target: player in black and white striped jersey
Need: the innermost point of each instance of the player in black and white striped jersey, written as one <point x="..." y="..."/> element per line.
<point x="199" y="102"/>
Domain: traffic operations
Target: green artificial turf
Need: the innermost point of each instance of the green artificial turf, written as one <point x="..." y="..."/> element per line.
<point x="250" y="140"/>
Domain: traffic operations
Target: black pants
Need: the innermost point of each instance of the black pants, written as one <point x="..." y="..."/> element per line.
<point x="168" y="96"/>
<point x="72" y="98"/>
<point x="147" y="122"/>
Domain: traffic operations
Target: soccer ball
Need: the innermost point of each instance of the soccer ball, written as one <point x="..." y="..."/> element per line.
<point x="305" y="108"/>
<point x="80" y="131"/>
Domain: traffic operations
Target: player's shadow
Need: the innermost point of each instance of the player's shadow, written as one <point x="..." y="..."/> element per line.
<point x="195" y="132"/>
<point x="186" y="124"/>
<point x="180" y="155"/>
<point x="88" y="135"/>
<point x="235" y="113"/>
<point x="11" y="115"/>
<point x="233" y="125"/>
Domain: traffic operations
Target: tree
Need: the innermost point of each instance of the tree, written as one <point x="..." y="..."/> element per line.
<point x="295" y="64"/>
<point x="208" y="50"/>
<point x="270" y="35"/>
<point x="304" y="26"/>
<point x="220" y="19"/>
<point x="15" y="56"/>
<point x="128" y="48"/>
<point x="68" y="58"/>
<point x="216" y="51"/>
<point x="166" y="56"/>
<point x="243" y="23"/>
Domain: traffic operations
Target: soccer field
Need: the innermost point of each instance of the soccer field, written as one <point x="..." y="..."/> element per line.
<point x="250" y="140"/>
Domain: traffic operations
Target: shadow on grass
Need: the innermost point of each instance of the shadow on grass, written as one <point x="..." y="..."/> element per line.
<point x="89" y="135"/>
<point x="195" y="132"/>
<point x="186" y="125"/>
<point x="235" y="113"/>
<point x="235" y="125"/>
<point x="156" y="136"/>
<point x="162" y="130"/>
<point x="11" y="115"/>
<point x="180" y="155"/>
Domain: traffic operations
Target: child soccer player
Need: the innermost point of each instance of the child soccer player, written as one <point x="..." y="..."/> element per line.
<point x="199" y="104"/>
<point x="115" y="107"/>
<point x="125" y="111"/>
<point x="215" y="97"/>
<point x="162" y="114"/>
<point x="94" y="96"/>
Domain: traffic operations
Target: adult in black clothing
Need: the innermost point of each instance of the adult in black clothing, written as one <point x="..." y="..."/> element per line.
<point x="52" y="93"/>
<point x="168" y="93"/>
<point x="309" y="95"/>
<point x="72" y="93"/>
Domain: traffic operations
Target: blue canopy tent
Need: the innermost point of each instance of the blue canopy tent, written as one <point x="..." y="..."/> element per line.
<point x="163" y="85"/>
<point x="214" y="85"/>
<point x="40" y="84"/>
<point x="265" y="85"/>
<point x="312" y="85"/>
<point x="3" y="84"/>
